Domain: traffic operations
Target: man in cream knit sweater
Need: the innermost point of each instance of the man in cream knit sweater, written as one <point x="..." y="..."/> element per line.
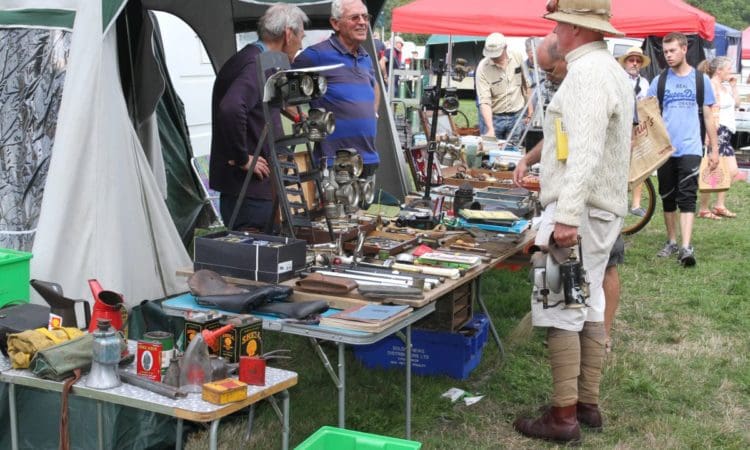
<point x="585" y="161"/>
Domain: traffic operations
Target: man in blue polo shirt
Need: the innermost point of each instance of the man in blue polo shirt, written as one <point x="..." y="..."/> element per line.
<point x="352" y="95"/>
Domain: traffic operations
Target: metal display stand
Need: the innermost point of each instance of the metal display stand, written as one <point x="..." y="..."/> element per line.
<point x="285" y="173"/>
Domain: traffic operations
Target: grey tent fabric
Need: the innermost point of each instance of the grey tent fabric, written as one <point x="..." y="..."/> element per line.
<point x="34" y="64"/>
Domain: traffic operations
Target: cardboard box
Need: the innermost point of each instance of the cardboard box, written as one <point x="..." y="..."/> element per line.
<point x="243" y="340"/>
<point x="239" y="255"/>
<point x="224" y="391"/>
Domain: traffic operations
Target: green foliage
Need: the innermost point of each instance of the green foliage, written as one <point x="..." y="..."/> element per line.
<point x="732" y="13"/>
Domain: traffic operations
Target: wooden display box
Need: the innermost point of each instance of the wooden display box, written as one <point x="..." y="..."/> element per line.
<point x="503" y="178"/>
<point x="452" y="311"/>
<point x="402" y="241"/>
<point x="320" y="236"/>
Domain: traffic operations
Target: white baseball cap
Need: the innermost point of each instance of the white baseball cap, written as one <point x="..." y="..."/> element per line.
<point x="494" y="45"/>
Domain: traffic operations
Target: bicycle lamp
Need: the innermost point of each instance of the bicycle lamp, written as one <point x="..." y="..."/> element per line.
<point x="295" y="88"/>
<point x="318" y="125"/>
<point x="321" y="84"/>
<point x="430" y="98"/>
<point x="450" y="102"/>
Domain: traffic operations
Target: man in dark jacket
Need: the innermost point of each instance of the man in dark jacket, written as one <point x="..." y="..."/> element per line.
<point x="237" y="120"/>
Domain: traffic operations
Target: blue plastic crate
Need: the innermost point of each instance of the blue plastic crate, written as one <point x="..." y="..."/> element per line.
<point x="433" y="352"/>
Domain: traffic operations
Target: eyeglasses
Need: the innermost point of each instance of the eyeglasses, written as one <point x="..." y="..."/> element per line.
<point x="357" y="17"/>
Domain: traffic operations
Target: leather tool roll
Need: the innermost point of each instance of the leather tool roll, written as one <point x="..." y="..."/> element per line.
<point x="323" y="284"/>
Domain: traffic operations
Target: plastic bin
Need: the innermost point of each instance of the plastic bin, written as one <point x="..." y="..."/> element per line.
<point x="14" y="277"/>
<point x="433" y="352"/>
<point x="332" y="438"/>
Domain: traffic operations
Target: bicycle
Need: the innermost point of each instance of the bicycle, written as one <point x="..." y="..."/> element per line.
<point x="633" y="223"/>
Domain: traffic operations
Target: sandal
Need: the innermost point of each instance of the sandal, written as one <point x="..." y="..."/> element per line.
<point x="721" y="211"/>
<point x="705" y="214"/>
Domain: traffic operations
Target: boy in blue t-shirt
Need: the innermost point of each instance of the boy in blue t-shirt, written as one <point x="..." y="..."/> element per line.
<point x="678" y="177"/>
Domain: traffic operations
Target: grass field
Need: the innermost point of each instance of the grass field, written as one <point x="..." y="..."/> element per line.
<point x="678" y="376"/>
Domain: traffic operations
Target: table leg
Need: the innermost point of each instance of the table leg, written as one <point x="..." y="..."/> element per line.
<point x="285" y="420"/>
<point x="408" y="382"/>
<point x="339" y="379"/>
<point x="13" y="417"/>
<point x="342" y="385"/>
<point x="213" y="443"/>
<point x="99" y="426"/>
<point x="478" y="295"/>
<point x="250" y="420"/>
<point x="178" y="435"/>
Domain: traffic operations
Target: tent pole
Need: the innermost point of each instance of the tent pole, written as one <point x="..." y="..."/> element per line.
<point x="449" y="62"/>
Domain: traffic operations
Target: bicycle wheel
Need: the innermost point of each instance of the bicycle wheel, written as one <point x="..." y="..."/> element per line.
<point x="634" y="223"/>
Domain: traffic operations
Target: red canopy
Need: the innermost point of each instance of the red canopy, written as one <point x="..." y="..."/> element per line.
<point x="635" y="18"/>
<point x="746" y="43"/>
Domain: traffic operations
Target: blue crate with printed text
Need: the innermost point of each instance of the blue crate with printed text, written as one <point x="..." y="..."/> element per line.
<point x="433" y="352"/>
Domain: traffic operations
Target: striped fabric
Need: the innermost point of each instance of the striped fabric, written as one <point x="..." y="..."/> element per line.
<point x="350" y="96"/>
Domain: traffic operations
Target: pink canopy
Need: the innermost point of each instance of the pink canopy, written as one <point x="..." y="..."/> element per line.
<point x="746" y="43"/>
<point x="635" y="18"/>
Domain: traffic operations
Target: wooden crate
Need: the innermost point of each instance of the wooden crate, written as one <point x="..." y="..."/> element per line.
<point x="452" y="311"/>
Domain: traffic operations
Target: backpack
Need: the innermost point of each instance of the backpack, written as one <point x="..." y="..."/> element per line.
<point x="699" y="83"/>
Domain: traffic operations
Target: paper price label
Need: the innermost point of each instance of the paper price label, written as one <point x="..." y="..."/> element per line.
<point x="285" y="266"/>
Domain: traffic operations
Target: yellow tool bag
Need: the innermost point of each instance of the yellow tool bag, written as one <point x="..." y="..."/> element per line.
<point x="23" y="346"/>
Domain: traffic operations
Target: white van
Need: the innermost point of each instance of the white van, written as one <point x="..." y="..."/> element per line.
<point x="620" y="46"/>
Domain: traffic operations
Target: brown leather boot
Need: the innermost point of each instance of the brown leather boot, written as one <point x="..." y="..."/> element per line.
<point x="557" y="424"/>
<point x="588" y="414"/>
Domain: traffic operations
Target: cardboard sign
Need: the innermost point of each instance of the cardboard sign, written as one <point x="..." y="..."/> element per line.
<point x="651" y="146"/>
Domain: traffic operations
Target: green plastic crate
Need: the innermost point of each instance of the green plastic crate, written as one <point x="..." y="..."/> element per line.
<point x="332" y="438"/>
<point x="14" y="277"/>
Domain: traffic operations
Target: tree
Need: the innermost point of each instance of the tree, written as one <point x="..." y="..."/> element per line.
<point x="732" y="13"/>
<point x="384" y="20"/>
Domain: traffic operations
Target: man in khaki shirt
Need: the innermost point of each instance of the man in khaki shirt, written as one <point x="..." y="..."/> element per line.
<point x="501" y="88"/>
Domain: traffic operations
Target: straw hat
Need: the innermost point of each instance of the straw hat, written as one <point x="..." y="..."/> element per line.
<point x="635" y="51"/>
<point x="494" y="45"/>
<point x="591" y="14"/>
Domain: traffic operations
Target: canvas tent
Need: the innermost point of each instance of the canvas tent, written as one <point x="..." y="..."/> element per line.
<point x="85" y="184"/>
<point x="636" y="18"/>
<point x="746" y="43"/>
<point x="101" y="209"/>
<point x="93" y="151"/>
<point x="728" y="42"/>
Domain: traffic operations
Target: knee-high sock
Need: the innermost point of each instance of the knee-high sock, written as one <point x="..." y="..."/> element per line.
<point x="565" y="360"/>
<point x="592" y="360"/>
